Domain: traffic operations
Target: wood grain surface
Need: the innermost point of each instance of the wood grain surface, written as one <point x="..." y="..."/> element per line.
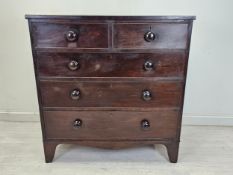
<point x="111" y="65"/>
<point x="102" y="125"/>
<point x="111" y="94"/>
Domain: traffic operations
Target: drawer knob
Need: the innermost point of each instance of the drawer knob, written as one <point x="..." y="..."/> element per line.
<point x="150" y="36"/>
<point x="73" y="65"/>
<point x="145" y="124"/>
<point x="148" y="65"/>
<point x="72" y="35"/>
<point x="75" y="94"/>
<point x="77" y="123"/>
<point x="146" y="95"/>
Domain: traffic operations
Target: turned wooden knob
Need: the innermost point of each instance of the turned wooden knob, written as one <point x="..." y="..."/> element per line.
<point x="73" y="65"/>
<point x="145" y="124"/>
<point x="77" y="123"/>
<point x="148" y="65"/>
<point x="75" y="94"/>
<point x="72" y="35"/>
<point x="150" y="36"/>
<point x="146" y="95"/>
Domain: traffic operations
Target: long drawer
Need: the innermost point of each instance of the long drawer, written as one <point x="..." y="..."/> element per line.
<point x="114" y="93"/>
<point x="110" y="124"/>
<point x="111" y="65"/>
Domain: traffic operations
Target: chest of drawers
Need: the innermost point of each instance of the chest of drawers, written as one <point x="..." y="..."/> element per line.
<point x="110" y="82"/>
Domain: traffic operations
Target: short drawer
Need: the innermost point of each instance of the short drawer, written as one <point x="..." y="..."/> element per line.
<point x="150" y="36"/>
<point x="100" y="125"/>
<point x="111" y="93"/>
<point x="111" y="65"/>
<point x="70" y="35"/>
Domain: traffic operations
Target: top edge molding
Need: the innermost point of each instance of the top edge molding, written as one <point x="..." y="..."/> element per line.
<point x="110" y="17"/>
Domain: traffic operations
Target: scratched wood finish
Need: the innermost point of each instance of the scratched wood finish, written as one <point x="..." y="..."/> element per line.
<point x="111" y="94"/>
<point x="111" y="51"/>
<point x="170" y="36"/>
<point x="53" y="35"/>
<point x="110" y="125"/>
<point x="111" y="65"/>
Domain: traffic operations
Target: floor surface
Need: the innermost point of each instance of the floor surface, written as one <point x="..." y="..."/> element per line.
<point x="204" y="150"/>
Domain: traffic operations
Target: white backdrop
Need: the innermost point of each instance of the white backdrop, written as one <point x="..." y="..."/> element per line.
<point x="209" y="93"/>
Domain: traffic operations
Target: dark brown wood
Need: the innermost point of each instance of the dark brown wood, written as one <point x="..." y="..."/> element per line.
<point x="37" y="85"/>
<point x="55" y="35"/>
<point x="185" y="77"/>
<point x="106" y="50"/>
<point x="111" y="65"/>
<point x="110" y="81"/>
<point x="172" y="150"/>
<point x="106" y="144"/>
<point x="49" y="151"/>
<point x="107" y="18"/>
<point x="167" y="35"/>
<point x="110" y="94"/>
<point x="103" y="125"/>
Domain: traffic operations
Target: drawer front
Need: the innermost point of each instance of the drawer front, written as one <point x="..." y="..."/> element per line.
<point x="111" y="65"/>
<point x="110" y="125"/>
<point x="111" y="93"/>
<point x="70" y="35"/>
<point x="151" y="36"/>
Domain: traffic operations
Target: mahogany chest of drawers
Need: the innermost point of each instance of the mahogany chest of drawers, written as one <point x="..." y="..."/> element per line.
<point x="110" y="81"/>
